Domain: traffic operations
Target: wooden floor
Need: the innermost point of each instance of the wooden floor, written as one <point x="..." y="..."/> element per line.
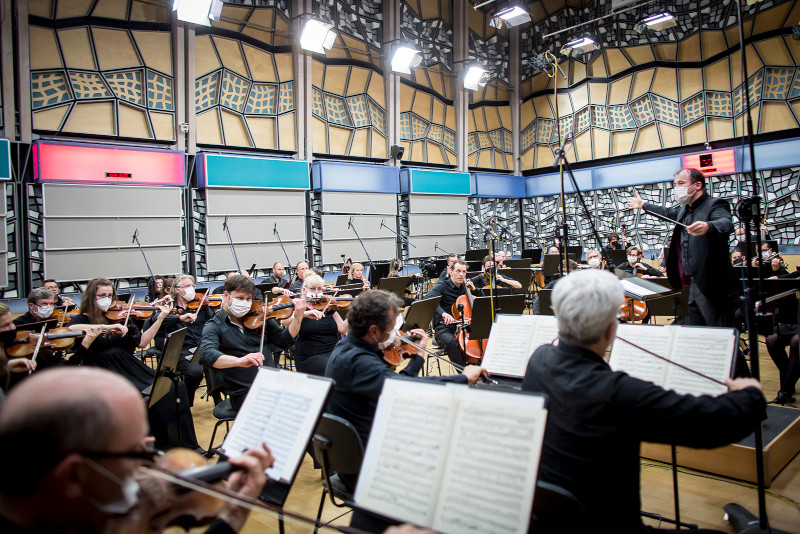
<point x="702" y="496"/>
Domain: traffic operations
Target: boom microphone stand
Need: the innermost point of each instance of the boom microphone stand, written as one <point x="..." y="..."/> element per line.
<point x="369" y="260"/>
<point x="288" y="263"/>
<point x="152" y="281"/>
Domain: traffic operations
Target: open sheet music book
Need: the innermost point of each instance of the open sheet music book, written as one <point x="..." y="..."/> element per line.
<point x="707" y="350"/>
<point x="282" y="409"/>
<point x="513" y="339"/>
<point x="432" y="446"/>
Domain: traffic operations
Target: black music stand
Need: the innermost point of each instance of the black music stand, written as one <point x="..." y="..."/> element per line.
<point x="476" y="254"/>
<point x="266" y="289"/>
<point x="535" y="254"/>
<point x="502" y="289"/>
<point x="441" y="265"/>
<point x="396" y="285"/>
<point x="481" y="325"/>
<point x="475" y="266"/>
<point x="350" y="289"/>
<point x="341" y="280"/>
<point x="618" y="257"/>
<point x="552" y="263"/>
<point x="545" y="303"/>
<point x="518" y="274"/>
<point x="524" y="263"/>
<point x="123" y="297"/>
<point x="420" y="313"/>
<point x="167" y="375"/>
<point x="575" y="250"/>
<point x="380" y="269"/>
<point x="670" y="304"/>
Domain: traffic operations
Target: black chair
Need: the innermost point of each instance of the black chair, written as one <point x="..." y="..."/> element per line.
<point x="223" y="411"/>
<point x="338" y="448"/>
<point x="556" y="510"/>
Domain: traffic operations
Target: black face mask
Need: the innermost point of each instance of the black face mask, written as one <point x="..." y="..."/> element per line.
<point x="8" y="336"/>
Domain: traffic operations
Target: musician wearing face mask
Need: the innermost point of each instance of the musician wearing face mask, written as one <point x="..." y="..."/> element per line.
<point x="61" y="301"/>
<point x="698" y="252"/>
<point x="15" y="366"/>
<point x="593" y="259"/>
<point x="233" y="349"/>
<point x="635" y="266"/>
<point x="485" y="278"/>
<point x="40" y="307"/>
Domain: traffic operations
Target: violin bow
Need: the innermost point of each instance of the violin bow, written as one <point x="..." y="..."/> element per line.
<point x="38" y="346"/>
<point x="130" y="307"/>
<point x="651" y="353"/>
<point x="456" y="366"/>
<point x="64" y="316"/>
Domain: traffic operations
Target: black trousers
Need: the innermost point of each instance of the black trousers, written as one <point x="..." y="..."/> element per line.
<point x="788" y="365"/>
<point x="445" y="336"/>
<point x="192" y="375"/>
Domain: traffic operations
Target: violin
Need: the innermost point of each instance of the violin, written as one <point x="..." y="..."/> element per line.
<point x="65" y="314"/>
<point x="55" y="340"/>
<point x="472" y="349"/>
<point x="118" y="312"/>
<point x="212" y="301"/>
<point x="284" y="308"/>
<point x="404" y="347"/>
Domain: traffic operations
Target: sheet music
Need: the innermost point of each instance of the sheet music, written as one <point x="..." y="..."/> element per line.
<point x="513" y="339"/>
<point x="635" y="289"/>
<point x="706" y="350"/>
<point x="406" y="451"/>
<point x="635" y="362"/>
<point x="282" y="409"/>
<point x="504" y="431"/>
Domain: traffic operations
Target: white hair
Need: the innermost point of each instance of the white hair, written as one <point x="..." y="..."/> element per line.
<point x="586" y="302"/>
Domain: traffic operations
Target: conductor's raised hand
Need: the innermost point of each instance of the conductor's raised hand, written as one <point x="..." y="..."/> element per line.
<point x="635" y="202"/>
<point x="249" y="360"/>
<point x="475" y="373"/>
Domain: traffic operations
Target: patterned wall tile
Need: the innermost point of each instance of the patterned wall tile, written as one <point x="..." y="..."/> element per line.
<point x="159" y="91"/>
<point x="449" y="140"/>
<point x="582" y="121"/>
<point x="262" y="99"/>
<point x="436" y="133"/>
<point x="778" y="82"/>
<point x="666" y="110"/>
<point x="472" y="143"/>
<point x="377" y="116"/>
<point x="599" y="117"/>
<point x="358" y="110"/>
<point x="528" y="137"/>
<point x="405" y="126"/>
<point x="88" y="85"/>
<point x="564" y="126"/>
<point x="317" y="107"/>
<point x="433" y="37"/>
<point x="335" y="109"/>
<point x="544" y="131"/>
<point x="419" y="127"/>
<point x="234" y="91"/>
<point x="719" y="104"/>
<point x="693" y="109"/>
<point x="206" y="91"/>
<point x="286" y="97"/>
<point x="49" y="88"/>
<point x="642" y="110"/>
<point x="361" y="19"/>
<point x="127" y="85"/>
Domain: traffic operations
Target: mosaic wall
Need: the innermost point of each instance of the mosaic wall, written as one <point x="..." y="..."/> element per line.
<point x="506" y="212"/>
<point x="267" y="21"/>
<point x="359" y="28"/>
<point x="244" y="95"/>
<point x="133" y="10"/>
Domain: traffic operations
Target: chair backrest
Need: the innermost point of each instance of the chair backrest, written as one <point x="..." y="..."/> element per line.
<point x="556" y="510"/>
<point x="214" y="384"/>
<point x="337" y="444"/>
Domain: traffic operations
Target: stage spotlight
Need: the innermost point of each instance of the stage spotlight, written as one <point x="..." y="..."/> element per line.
<point x="510" y="16"/>
<point x="661" y="21"/>
<point x="475" y="77"/>
<point x="580" y="46"/>
<point x="317" y="36"/>
<point x="198" y="11"/>
<point x="405" y="59"/>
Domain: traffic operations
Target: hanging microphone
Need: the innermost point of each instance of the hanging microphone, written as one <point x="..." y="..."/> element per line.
<point x="350" y="223"/>
<point x="275" y="229"/>
<point x="135" y="234"/>
<point x="225" y="223"/>
<point x="383" y="223"/>
<point x="561" y="149"/>
<point x="436" y="246"/>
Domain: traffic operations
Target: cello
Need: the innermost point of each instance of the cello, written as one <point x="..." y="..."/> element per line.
<point x="471" y="349"/>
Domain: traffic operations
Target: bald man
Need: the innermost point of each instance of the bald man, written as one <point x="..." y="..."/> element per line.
<point x="84" y="433"/>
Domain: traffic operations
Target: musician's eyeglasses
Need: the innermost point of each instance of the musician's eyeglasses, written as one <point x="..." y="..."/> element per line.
<point x="150" y="453"/>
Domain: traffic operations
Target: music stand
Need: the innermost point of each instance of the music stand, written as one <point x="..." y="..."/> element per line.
<point x="476" y="254"/>
<point x="670" y="305"/>
<point x="518" y="274"/>
<point x="535" y="254"/>
<point x="396" y="285"/>
<point x="167" y="375"/>
<point x="123" y="297"/>
<point x="352" y="289"/>
<point x="501" y="290"/>
<point x="441" y="265"/>
<point x="341" y="280"/>
<point x="545" y="303"/>
<point x="575" y="250"/>
<point x="518" y="264"/>
<point x="379" y="270"/>
<point x="266" y="288"/>
<point x="474" y="265"/>
<point x="481" y="324"/>
<point x="617" y="256"/>
<point x="552" y="263"/>
<point x="420" y="313"/>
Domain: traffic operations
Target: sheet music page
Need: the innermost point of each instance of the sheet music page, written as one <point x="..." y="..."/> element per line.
<point x="636" y="289"/>
<point x="546" y="333"/>
<point x="635" y="362"/>
<point x="503" y="432"/>
<point x="406" y="452"/>
<point x="509" y="346"/>
<point x="282" y="409"/>
<point x="706" y="350"/>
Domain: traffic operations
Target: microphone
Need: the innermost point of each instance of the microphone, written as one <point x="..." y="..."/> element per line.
<point x="560" y="152"/>
<point x="225" y="223"/>
<point x="436" y="246"/>
<point x="383" y="223"/>
<point x="275" y="229"/>
<point x="350" y="223"/>
<point x="135" y="234"/>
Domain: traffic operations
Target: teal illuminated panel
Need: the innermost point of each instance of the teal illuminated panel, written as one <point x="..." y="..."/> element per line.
<point x="216" y="170"/>
<point x="5" y="159"/>
<point x="436" y="182"/>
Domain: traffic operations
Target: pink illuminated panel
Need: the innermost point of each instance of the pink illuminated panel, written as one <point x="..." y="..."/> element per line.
<point x="103" y="164"/>
<point x="712" y="163"/>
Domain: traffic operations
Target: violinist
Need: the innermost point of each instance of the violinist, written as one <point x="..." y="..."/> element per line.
<point x="158" y="287"/>
<point x="356" y="275"/>
<point x="444" y="324"/>
<point x="61" y="300"/>
<point x="85" y="434"/>
<point x="233" y="349"/>
<point x="278" y="277"/>
<point x="485" y="278"/>
<point x="182" y="293"/>
<point x="357" y="366"/>
<point x="111" y="346"/>
<point x="300" y="271"/>
<point x="593" y="259"/>
<point x="636" y="267"/>
<point x="17" y="365"/>
<point x="40" y="308"/>
<point x="319" y="331"/>
<point x="598" y="418"/>
<point x="257" y="295"/>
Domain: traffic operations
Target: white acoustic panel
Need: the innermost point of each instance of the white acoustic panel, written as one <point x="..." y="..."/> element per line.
<point x="367" y="226"/>
<point x="220" y="259"/>
<point x="378" y="249"/>
<point x="70" y="265"/>
<point x="254" y="202"/>
<point x="91" y="201"/>
<point x="3" y="269"/>
<point x="366" y="203"/>
<point x="437" y="204"/>
<point x="256" y="229"/>
<point x="426" y="245"/>
<point x="64" y="234"/>
<point x="436" y="224"/>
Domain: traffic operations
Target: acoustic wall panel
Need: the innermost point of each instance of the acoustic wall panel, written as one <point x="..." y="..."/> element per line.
<point x="87" y="231"/>
<point x="4" y="242"/>
<point x="263" y="255"/>
<point x="368" y="227"/>
<point x="379" y="250"/>
<point x="437" y="204"/>
<point x="426" y="246"/>
<point x="255" y="202"/>
<point x="436" y="219"/>
<point x="367" y="203"/>
<point x="423" y="224"/>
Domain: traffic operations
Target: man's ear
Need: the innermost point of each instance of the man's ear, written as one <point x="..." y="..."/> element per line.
<point x="69" y="476"/>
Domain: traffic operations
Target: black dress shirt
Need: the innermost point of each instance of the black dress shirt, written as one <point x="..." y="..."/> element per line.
<point x="358" y="369"/>
<point x="221" y="336"/>
<point x="449" y="293"/>
<point x="597" y="419"/>
<point x="628" y="268"/>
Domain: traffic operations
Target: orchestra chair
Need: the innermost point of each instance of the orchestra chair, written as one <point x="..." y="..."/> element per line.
<point x="338" y="449"/>
<point x="556" y="510"/>
<point x="223" y="411"/>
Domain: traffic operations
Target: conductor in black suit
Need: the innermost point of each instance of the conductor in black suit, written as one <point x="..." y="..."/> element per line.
<point x="698" y="252"/>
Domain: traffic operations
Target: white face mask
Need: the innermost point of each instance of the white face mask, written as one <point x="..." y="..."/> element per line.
<point x="43" y="312"/>
<point x="594" y="262"/>
<point x="239" y="307"/>
<point x="633" y="259"/>
<point x="682" y="195"/>
<point x="189" y="293"/>
<point x="104" y="303"/>
<point x="129" y="490"/>
<point x="765" y="254"/>
<point x="397" y="324"/>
